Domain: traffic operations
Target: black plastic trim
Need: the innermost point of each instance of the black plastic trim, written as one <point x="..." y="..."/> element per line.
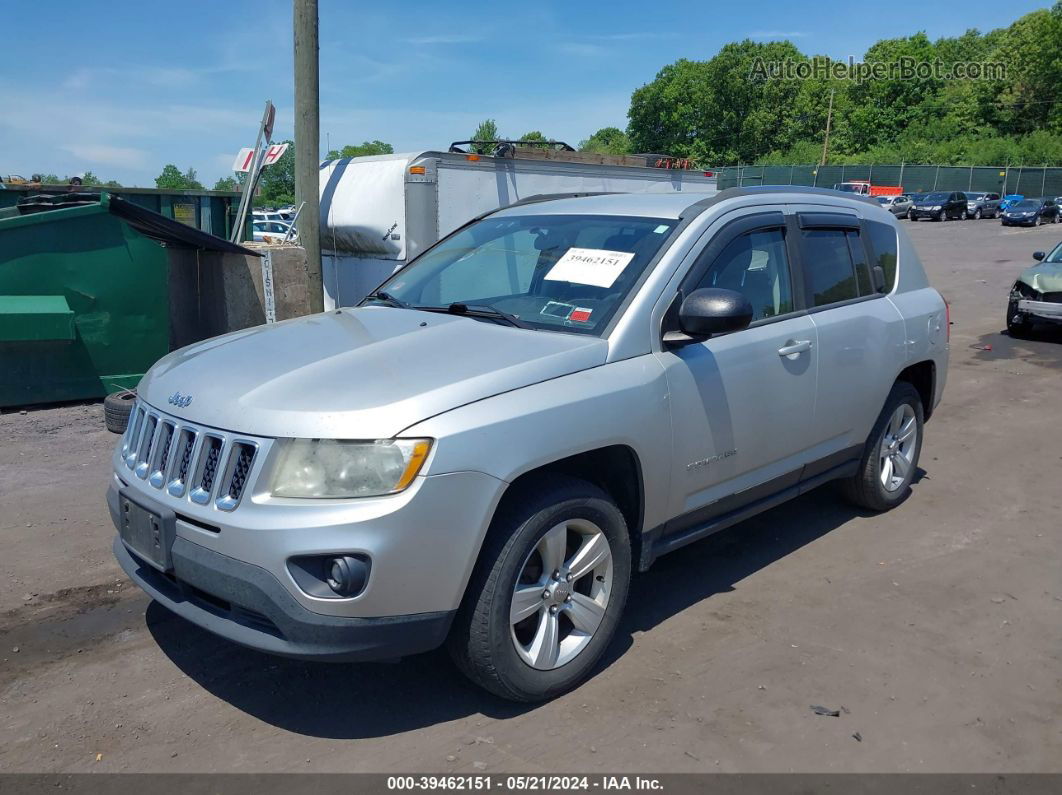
<point x="217" y="593"/>
<point x="825" y="220"/>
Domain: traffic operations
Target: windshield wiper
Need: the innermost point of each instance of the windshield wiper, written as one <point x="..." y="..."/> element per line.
<point x="483" y="310"/>
<point x="388" y="299"/>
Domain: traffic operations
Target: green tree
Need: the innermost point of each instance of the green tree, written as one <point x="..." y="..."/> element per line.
<point x="363" y="149"/>
<point x="486" y="131"/>
<point x="607" y="141"/>
<point x="171" y="178"/>
<point x="534" y="135"/>
<point x="227" y="184"/>
<point x="716" y="111"/>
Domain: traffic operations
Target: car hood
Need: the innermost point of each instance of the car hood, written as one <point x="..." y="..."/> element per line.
<point x="365" y="373"/>
<point x="1045" y="277"/>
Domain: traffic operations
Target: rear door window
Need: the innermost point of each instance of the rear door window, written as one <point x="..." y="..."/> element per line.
<point x="829" y="273"/>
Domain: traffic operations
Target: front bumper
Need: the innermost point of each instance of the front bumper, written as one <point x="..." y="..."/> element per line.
<point x="917" y="213"/>
<point x="247" y="605"/>
<point x="1041" y="310"/>
<point x="1019" y="221"/>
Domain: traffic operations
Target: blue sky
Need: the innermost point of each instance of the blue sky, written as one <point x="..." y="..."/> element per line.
<point x="123" y="87"/>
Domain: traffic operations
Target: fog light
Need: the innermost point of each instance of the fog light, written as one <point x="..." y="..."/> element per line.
<point x="346" y="575"/>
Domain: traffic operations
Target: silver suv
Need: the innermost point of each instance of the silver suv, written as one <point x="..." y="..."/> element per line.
<point x="485" y="450"/>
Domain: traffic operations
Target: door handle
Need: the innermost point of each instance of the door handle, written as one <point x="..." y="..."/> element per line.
<point x="792" y="348"/>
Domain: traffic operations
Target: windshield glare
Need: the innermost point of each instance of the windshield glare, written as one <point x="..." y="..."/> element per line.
<point x="936" y="197"/>
<point x="557" y="272"/>
<point x="1028" y="204"/>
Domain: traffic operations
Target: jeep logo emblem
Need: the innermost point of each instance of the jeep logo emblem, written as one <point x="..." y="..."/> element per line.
<point x="179" y="400"/>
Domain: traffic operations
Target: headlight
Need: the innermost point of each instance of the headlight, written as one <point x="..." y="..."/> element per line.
<point x="337" y="468"/>
<point x="936" y="206"/>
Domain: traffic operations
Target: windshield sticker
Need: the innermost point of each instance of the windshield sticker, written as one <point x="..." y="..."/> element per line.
<point x="556" y="309"/>
<point x="593" y="266"/>
<point x="661" y="229"/>
<point x="580" y="315"/>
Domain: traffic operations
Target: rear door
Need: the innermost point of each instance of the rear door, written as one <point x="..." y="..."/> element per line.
<point x="860" y="333"/>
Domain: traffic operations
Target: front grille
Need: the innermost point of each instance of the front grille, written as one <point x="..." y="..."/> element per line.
<point x="187" y="461"/>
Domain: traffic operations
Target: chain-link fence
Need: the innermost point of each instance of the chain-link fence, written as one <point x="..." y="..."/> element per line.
<point x="1038" y="181"/>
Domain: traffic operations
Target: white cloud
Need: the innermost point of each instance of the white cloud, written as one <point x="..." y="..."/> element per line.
<point x="118" y="156"/>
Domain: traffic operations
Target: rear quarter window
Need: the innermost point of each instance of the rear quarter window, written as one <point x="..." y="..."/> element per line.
<point x="883" y="250"/>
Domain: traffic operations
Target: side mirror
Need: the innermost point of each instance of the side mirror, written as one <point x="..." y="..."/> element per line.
<point x="1038" y="255"/>
<point x="710" y="311"/>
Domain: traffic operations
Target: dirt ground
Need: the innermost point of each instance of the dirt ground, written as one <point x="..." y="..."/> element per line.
<point x="933" y="628"/>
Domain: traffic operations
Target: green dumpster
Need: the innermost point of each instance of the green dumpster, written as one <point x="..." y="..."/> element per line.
<point x="83" y="305"/>
<point x="85" y="300"/>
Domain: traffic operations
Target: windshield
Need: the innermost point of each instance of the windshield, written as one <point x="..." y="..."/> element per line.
<point x="848" y="187"/>
<point x="884" y="199"/>
<point x="557" y="272"/>
<point x="935" y="197"/>
<point x="1056" y="255"/>
<point x="1028" y="204"/>
<point x="974" y="196"/>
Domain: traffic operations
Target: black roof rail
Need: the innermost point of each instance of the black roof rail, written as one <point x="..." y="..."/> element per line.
<point x="501" y="142"/>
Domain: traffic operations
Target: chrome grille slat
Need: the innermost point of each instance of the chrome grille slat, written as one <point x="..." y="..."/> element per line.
<point x="147" y="441"/>
<point x="189" y="462"/>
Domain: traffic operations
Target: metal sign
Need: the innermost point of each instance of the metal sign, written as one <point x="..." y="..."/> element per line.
<point x="273" y="154"/>
<point x="268" y="296"/>
<point x="243" y="160"/>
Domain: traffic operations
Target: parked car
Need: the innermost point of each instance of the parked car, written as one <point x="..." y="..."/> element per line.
<point x="270" y="215"/>
<point x="266" y="231"/>
<point x="980" y="205"/>
<point x="1036" y="296"/>
<point x="900" y="206"/>
<point x="940" y="206"/>
<point x="1009" y="200"/>
<point x="1031" y="212"/>
<point x="542" y="403"/>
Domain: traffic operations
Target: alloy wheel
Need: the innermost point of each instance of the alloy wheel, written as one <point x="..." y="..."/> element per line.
<point x="897" y="449"/>
<point x="561" y="594"/>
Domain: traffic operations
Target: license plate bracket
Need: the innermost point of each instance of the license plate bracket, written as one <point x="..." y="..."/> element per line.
<point x="146" y="531"/>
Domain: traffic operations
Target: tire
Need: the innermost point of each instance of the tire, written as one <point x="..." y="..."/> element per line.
<point x="907" y="215"/>
<point x="1036" y="221"/>
<point x="116" y="409"/>
<point x="503" y="657"/>
<point x="867" y="487"/>
<point x="1020" y="330"/>
<point x="942" y="215"/>
<point x="977" y="214"/>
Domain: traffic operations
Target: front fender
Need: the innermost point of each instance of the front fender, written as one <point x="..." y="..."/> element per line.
<point x="508" y="435"/>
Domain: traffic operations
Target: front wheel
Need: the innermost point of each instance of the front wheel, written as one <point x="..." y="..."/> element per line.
<point x="977" y="214"/>
<point x="890" y="457"/>
<point x="1018" y="325"/>
<point x="547" y="593"/>
<point x="942" y="215"/>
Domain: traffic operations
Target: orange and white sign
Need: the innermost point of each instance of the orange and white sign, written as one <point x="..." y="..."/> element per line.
<point x="243" y="160"/>
<point x="274" y="153"/>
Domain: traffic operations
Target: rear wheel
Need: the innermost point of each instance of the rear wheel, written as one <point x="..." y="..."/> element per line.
<point x="547" y="593"/>
<point x="890" y="457"/>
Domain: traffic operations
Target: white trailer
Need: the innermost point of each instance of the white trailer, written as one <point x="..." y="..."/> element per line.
<point x="379" y="212"/>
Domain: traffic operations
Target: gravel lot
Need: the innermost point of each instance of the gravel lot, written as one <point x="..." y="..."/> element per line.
<point x="935" y="626"/>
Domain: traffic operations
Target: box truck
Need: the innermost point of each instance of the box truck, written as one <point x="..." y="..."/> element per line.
<point x="379" y="212"/>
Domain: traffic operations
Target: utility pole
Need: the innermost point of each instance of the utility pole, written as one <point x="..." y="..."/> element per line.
<point x="826" y="140"/>
<point x="307" y="145"/>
